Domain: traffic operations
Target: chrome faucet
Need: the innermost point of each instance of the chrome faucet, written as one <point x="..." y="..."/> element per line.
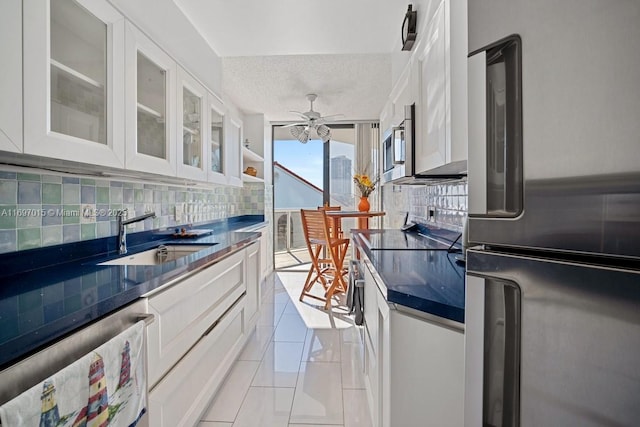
<point x="122" y="229"/>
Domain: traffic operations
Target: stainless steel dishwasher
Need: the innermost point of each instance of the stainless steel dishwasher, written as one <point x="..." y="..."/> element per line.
<point x="38" y="367"/>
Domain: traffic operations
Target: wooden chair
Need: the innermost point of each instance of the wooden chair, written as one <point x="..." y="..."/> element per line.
<point x="336" y="223"/>
<point x="326" y="269"/>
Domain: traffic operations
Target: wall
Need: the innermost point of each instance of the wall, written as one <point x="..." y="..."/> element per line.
<point x="293" y="193"/>
<point x="448" y="200"/>
<point x="42" y="209"/>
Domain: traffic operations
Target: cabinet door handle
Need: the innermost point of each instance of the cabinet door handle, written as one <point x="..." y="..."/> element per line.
<point x="148" y="318"/>
<point x="219" y="319"/>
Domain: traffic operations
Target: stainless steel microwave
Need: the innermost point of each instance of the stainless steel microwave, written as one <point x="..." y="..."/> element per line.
<point x="398" y="149"/>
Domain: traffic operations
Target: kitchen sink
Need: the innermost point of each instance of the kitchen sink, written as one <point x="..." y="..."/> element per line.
<point x="158" y="255"/>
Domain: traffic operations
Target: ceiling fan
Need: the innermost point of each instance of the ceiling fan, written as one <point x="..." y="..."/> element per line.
<point x="312" y="120"/>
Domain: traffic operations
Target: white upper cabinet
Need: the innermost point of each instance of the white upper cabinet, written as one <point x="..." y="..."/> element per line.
<point x="401" y="96"/>
<point x="431" y="111"/>
<point x="84" y="84"/>
<point x="437" y="73"/>
<point x="192" y="127"/>
<point x="216" y="144"/>
<point x="233" y="148"/>
<point x="150" y="106"/>
<point x="73" y="55"/>
<point x="386" y="117"/>
<point x="11" y="81"/>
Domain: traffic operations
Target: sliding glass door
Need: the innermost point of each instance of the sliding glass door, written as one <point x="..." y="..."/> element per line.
<point x="306" y="176"/>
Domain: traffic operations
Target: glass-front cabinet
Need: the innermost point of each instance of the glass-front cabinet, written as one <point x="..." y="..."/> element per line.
<point x="11" y="81"/>
<point x="73" y="56"/>
<point x="216" y="135"/>
<point x="150" y="106"/>
<point x="97" y="91"/>
<point x="192" y="127"/>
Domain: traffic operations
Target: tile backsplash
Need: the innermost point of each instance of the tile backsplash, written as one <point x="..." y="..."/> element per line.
<point x="443" y="204"/>
<point x="44" y="209"/>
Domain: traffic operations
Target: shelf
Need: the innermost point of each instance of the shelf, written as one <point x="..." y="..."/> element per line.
<point x="144" y="109"/>
<point x="249" y="178"/>
<point x="76" y="74"/>
<point x="251" y="156"/>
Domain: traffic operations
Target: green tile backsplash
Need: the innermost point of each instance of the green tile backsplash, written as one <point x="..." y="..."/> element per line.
<point x="51" y="193"/>
<point x="48" y="209"/>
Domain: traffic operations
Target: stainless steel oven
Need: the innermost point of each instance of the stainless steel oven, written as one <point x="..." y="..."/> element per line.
<point x="398" y="148"/>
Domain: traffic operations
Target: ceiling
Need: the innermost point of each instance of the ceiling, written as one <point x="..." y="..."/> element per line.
<point x="275" y="52"/>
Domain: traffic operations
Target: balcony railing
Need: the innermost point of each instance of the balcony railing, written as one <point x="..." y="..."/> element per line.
<point x="290" y="237"/>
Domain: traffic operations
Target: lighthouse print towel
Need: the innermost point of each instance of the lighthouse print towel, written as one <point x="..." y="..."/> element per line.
<point x="104" y="388"/>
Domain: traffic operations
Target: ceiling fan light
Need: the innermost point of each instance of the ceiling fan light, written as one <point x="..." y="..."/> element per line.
<point x="301" y="133"/>
<point x="304" y="136"/>
<point x="296" y="131"/>
<point x="324" y="132"/>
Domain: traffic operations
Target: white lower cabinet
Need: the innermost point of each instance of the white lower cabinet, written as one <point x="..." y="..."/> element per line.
<point x="426" y="373"/>
<point x="187" y="309"/>
<point x="201" y="325"/>
<point x="265" y="257"/>
<point x="253" y="283"/>
<point x="414" y="367"/>
<point x="181" y="397"/>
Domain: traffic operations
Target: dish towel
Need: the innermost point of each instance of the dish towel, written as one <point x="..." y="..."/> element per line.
<point x="106" y="387"/>
<point x="355" y="294"/>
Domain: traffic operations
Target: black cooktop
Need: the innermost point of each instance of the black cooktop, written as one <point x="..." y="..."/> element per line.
<point x="401" y="240"/>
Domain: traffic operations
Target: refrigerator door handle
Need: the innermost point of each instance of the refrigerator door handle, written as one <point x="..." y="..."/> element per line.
<point x="477" y="115"/>
<point x="495" y="130"/>
<point x="474" y="351"/>
<point x="492" y="352"/>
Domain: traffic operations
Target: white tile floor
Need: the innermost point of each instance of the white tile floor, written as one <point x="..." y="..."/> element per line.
<point x="301" y="368"/>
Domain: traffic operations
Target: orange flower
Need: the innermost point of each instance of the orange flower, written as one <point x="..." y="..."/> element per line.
<point x="364" y="184"/>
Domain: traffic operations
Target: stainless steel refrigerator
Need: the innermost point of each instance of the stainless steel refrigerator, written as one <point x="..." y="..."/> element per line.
<point x="552" y="312"/>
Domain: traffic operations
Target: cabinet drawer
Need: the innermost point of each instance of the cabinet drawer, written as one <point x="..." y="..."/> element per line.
<point x="187" y="309"/>
<point x="183" y="394"/>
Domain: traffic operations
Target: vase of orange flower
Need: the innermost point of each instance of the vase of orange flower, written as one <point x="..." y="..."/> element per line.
<point x="363" y="204"/>
<point x="365" y="186"/>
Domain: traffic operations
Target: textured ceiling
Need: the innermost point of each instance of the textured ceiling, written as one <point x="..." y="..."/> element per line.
<point x="275" y="52"/>
<point x="354" y="85"/>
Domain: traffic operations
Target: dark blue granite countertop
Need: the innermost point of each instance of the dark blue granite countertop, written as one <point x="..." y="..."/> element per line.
<point x="46" y="293"/>
<point x="427" y="280"/>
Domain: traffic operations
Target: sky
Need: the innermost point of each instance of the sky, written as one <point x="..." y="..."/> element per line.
<point x="306" y="159"/>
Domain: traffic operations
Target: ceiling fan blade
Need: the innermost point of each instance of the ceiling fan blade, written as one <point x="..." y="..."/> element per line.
<point x="295" y="124"/>
<point x="301" y="114"/>
<point x="332" y="116"/>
